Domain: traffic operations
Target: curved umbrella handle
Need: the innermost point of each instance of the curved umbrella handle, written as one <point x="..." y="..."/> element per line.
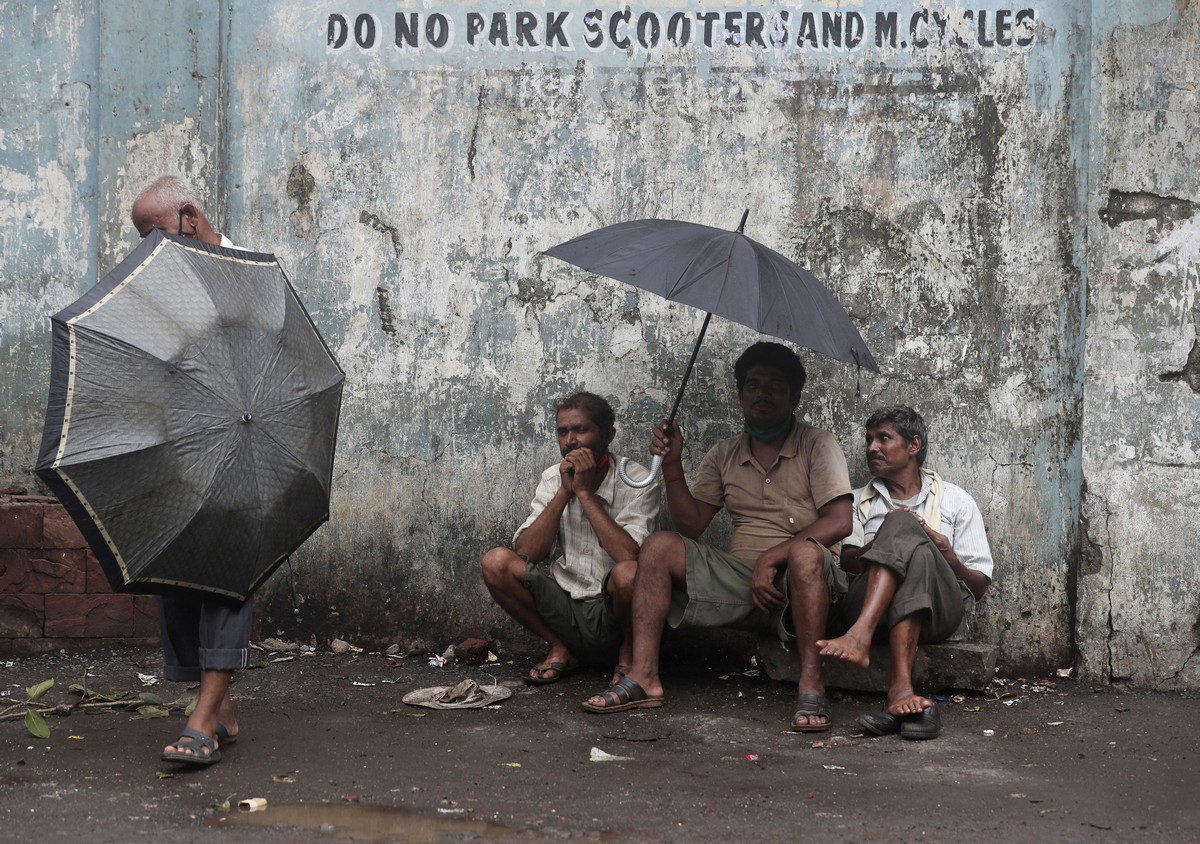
<point x="655" y="465"/>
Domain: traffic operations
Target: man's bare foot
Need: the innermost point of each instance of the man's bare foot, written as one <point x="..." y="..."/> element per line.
<point x="226" y="721"/>
<point x="907" y="703"/>
<point x="848" y="648"/>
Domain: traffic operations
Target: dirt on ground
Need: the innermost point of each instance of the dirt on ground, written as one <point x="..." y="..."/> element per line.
<point x="327" y="743"/>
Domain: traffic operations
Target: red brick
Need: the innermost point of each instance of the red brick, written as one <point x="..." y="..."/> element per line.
<point x="97" y="580"/>
<point x="89" y="616"/>
<point x="145" y="616"/>
<point x="58" y="529"/>
<point x="20" y="525"/>
<point x="22" y="616"/>
<point x="42" y="570"/>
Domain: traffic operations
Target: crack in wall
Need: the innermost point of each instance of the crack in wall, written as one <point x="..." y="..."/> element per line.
<point x="383" y="227"/>
<point x="472" y="146"/>
<point x="1165" y="682"/>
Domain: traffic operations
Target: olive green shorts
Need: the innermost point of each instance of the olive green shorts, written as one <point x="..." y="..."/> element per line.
<point x="717" y="592"/>
<point x="588" y="627"/>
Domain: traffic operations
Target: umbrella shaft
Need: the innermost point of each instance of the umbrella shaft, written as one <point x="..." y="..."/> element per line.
<point x="688" y="373"/>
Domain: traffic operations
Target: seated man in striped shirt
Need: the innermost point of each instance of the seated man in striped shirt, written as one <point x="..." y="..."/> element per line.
<point x="593" y="521"/>
<point x="919" y="560"/>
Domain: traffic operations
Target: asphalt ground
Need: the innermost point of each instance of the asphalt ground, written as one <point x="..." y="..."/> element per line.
<point x="328" y="744"/>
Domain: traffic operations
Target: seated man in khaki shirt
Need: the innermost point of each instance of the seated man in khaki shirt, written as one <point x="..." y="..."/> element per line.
<point x="594" y="521"/>
<point x="787" y="489"/>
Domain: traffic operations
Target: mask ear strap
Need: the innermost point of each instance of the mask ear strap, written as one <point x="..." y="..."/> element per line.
<point x="182" y="231"/>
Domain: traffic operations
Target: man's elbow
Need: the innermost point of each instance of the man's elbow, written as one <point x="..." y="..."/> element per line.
<point x="980" y="587"/>
<point x="843" y="526"/>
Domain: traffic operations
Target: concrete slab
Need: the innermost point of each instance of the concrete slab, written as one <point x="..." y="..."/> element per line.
<point x="953" y="665"/>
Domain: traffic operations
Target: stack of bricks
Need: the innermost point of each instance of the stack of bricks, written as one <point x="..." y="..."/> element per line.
<point x="53" y="593"/>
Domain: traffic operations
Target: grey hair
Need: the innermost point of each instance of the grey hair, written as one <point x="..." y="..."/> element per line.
<point x="171" y="191"/>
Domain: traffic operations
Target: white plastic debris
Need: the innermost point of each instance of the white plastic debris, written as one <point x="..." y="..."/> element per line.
<point x="598" y="755"/>
<point x="989" y="733"/>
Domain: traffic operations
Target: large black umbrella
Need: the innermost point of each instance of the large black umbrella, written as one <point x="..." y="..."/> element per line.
<point x="192" y="417"/>
<point x="722" y="272"/>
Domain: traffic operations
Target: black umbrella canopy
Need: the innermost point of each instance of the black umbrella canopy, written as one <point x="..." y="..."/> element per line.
<point x="725" y="273"/>
<point x="192" y="418"/>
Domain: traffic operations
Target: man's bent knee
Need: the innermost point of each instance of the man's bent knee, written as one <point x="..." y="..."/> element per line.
<point x="662" y="550"/>
<point x="499" y="563"/>
<point x="620" y="580"/>
<point x="659" y="546"/>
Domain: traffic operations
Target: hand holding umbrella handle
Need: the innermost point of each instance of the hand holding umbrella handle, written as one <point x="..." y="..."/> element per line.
<point x="655" y="466"/>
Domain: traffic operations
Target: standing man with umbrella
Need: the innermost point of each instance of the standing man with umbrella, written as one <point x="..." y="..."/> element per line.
<point x="787" y="489"/>
<point x="205" y="637"/>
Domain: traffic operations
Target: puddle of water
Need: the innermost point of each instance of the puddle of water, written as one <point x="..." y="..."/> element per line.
<point x="367" y="823"/>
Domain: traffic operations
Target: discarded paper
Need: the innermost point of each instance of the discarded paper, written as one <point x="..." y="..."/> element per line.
<point x="598" y="755"/>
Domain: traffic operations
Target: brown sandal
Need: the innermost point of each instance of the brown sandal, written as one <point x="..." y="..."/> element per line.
<point x="538" y="674"/>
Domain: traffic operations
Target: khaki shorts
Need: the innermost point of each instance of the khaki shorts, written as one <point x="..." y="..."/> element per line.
<point x="717" y="592"/>
<point x="589" y="627"/>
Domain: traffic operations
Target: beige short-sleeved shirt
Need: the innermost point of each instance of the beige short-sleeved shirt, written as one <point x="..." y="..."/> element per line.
<point x="769" y="506"/>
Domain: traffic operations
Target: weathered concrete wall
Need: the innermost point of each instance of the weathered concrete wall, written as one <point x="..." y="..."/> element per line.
<point x="1139" y="585"/>
<point x="938" y="184"/>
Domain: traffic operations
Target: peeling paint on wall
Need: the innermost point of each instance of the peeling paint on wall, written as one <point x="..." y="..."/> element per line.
<point x="1139" y="607"/>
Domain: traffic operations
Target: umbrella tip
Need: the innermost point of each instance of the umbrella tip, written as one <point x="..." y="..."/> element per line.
<point x="742" y="225"/>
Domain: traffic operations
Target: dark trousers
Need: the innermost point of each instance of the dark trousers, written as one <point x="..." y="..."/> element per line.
<point x="201" y="634"/>
<point x="927" y="584"/>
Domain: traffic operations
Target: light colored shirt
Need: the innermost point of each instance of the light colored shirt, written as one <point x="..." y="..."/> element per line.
<point x="582" y="563"/>
<point x="771" y="505"/>
<point x="961" y="521"/>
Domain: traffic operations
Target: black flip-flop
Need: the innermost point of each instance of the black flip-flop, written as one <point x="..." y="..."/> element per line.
<point x="812" y="706"/>
<point x="224" y="739"/>
<point x="926" y="725"/>
<point x="622" y="695"/>
<point x="879" y="723"/>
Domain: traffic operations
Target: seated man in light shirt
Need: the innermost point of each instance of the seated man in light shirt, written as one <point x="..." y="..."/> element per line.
<point x="595" y="522"/>
<point x="919" y="559"/>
